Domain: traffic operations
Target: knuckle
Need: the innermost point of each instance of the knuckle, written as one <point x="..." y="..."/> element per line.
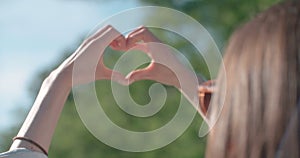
<point x="87" y="40"/>
<point x="144" y="29"/>
<point x="108" y="26"/>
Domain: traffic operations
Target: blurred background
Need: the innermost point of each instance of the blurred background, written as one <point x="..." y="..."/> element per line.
<point x="36" y="35"/>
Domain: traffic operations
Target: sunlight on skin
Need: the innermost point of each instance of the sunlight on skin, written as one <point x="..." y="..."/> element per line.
<point x="41" y="40"/>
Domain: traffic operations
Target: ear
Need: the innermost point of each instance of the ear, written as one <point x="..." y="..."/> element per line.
<point x="205" y="92"/>
<point x="204" y="101"/>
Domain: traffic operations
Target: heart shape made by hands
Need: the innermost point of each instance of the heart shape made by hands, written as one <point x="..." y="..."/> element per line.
<point x="161" y="68"/>
<point x="164" y="67"/>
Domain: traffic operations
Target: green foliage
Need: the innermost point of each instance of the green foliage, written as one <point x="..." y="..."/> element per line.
<point x="220" y="17"/>
<point x="73" y="140"/>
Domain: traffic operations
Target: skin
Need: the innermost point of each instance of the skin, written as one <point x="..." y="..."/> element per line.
<point x="44" y="114"/>
<point x="164" y="67"/>
<point x="42" y="119"/>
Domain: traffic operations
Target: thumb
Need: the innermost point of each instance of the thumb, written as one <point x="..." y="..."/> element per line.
<point x="104" y="73"/>
<point x="141" y="74"/>
<point x="118" y="77"/>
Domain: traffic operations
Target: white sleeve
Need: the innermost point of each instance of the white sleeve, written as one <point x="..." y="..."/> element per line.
<point x="22" y="153"/>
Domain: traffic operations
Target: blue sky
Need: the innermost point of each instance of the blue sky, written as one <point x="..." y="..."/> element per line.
<point x="33" y="34"/>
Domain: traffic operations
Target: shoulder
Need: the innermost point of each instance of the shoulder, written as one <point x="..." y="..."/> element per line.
<point x="22" y="153"/>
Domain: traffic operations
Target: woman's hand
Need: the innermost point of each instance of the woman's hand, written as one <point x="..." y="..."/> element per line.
<point x="88" y="58"/>
<point x="164" y="62"/>
<point x="165" y="67"/>
<point x="41" y="121"/>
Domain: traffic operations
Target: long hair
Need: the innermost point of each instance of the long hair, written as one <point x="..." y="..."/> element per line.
<point x="262" y="62"/>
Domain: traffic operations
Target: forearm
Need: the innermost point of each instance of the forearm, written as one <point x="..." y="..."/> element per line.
<point x="41" y="121"/>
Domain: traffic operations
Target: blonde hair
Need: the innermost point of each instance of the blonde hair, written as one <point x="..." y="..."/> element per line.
<point x="262" y="63"/>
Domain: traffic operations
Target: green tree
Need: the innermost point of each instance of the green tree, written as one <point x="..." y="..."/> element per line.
<point x="72" y="139"/>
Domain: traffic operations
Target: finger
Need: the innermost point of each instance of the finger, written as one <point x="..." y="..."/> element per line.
<point x="141" y="74"/>
<point x="135" y="37"/>
<point x="104" y="73"/>
<point x="110" y="36"/>
<point x="105" y="39"/>
<point x="95" y="35"/>
<point x="141" y="34"/>
<point x="143" y="48"/>
<point x="85" y="43"/>
<point x="144" y="34"/>
<point x="119" y="43"/>
<point x="118" y="77"/>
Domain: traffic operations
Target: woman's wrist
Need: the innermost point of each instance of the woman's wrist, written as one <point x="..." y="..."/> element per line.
<point x="46" y="111"/>
<point x="60" y="77"/>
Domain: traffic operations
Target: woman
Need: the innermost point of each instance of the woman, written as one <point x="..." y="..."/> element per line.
<point x="34" y="137"/>
<point x="261" y="112"/>
<point x="260" y="117"/>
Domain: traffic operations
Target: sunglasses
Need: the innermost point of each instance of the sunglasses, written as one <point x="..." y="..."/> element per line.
<point x="205" y="91"/>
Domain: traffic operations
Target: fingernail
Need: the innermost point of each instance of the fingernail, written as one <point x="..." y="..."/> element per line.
<point x="119" y="43"/>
